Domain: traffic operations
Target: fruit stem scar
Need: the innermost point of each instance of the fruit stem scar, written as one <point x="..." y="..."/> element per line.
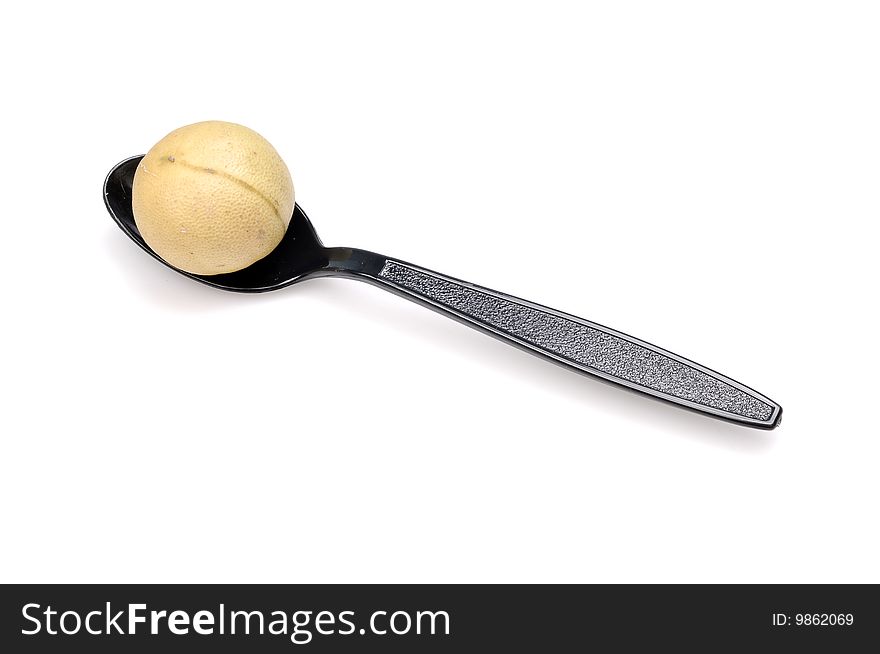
<point x="171" y="158"/>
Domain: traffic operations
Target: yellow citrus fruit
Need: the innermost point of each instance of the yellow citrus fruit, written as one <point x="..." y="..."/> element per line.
<point x="212" y="198"/>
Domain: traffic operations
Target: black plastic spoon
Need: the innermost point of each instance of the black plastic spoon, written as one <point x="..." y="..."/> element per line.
<point x="575" y="343"/>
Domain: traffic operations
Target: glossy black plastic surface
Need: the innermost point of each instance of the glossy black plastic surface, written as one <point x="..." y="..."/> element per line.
<point x="575" y="343"/>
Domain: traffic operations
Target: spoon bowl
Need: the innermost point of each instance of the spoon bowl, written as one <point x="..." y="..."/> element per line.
<point x="299" y="254"/>
<point x="577" y="344"/>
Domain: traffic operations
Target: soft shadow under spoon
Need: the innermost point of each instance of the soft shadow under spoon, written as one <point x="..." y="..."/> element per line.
<point x="575" y="343"/>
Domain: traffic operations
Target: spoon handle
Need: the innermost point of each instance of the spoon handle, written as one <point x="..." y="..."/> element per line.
<point x="579" y="344"/>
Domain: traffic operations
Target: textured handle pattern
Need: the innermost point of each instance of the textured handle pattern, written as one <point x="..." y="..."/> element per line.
<point x="587" y="346"/>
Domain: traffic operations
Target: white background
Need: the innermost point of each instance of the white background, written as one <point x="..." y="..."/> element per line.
<point x="700" y="175"/>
